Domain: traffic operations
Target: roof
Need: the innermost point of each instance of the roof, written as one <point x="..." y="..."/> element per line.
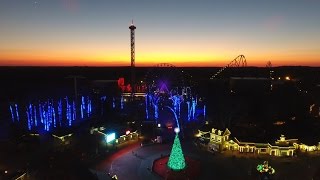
<point x="226" y="132"/>
<point x="258" y="145"/>
<point x="262" y="145"/>
<point x="283" y="147"/>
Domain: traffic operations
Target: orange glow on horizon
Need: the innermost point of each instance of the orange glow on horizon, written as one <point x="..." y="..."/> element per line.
<point x="116" y="58"/>
<point x="143" y="63"/>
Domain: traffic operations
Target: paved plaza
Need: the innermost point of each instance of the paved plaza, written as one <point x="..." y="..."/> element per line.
<point x="136" y="164"/>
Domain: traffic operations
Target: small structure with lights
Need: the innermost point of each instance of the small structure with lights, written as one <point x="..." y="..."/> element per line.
<point x="220" y="141"/>
<point x="62" y="138"/>
<point x="110" y="137"/>
<point x="265" y="170"/>
<point x="115" y="136"/>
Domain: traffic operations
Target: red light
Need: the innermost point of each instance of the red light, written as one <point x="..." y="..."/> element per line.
<point x="169" y="127"/>
<point x="127" y="132"/>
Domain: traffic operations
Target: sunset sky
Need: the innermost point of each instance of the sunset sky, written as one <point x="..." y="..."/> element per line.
<point x="181" y="32"/>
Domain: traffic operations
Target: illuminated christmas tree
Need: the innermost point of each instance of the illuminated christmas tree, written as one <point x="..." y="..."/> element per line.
<point x="176" y="160"/>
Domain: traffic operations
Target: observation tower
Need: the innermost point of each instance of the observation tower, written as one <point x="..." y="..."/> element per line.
<point x="132" y="28"/>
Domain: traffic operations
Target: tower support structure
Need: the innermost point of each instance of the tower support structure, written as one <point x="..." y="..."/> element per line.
<point x="132" y="28"/>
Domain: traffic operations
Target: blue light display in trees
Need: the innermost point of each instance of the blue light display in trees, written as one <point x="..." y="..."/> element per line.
<point x="17" y="112"/>
<point x="12" y="114"/>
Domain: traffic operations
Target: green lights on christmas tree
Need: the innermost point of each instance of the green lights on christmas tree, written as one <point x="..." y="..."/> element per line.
<point x="176" y="160"/>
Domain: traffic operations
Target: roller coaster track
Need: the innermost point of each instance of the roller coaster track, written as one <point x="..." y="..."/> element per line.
<point x="239" y="61"/>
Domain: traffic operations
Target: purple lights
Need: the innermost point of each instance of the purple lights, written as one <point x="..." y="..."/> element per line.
<point x="182" y="103"/>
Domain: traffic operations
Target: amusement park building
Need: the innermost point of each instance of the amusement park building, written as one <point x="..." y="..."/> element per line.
<point x="220" y="141"/>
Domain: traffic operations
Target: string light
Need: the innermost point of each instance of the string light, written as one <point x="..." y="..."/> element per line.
<point x="60" y="111"/>
<point x="121" y="102"/>
<point x="147" y="111"/>
<point x="35" y="116"/>
<point x="194" y="103"/>
<point x="17" y="113"/>
<point x="43" y="114"/>
<point x="12" y="115"/>
<point x="54" y="117"/>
